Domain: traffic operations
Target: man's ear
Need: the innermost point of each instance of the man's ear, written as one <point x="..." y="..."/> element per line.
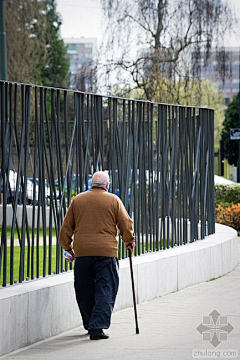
<point x="107" y="186"/>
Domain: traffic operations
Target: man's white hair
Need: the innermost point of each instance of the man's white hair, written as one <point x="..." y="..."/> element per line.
<point x="100" y="178"/>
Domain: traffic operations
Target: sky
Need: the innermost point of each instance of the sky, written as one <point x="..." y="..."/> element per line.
<point x="80" y="18"/>
<point x="84" y="18"/>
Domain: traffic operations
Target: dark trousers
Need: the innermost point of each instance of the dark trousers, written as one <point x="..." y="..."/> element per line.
<point x="96" y="284"/>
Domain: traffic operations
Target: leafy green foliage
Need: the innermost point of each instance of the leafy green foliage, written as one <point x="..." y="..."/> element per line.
<point x="35" y="51"/>
<point x="55" y="71"/>
<point x="227" y="194"/>
<point x="231" y="121"/>
<point x="227" y="208"/>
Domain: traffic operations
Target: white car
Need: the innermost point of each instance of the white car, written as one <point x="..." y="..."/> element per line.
<point x="12" y="185"/>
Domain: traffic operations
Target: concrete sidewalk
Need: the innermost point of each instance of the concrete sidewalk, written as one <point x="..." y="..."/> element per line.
<point x="167" y="328"/>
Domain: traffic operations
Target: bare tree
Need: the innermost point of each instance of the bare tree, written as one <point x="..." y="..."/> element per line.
<point x="149" y="42"/>
<point x="86" y="77"/>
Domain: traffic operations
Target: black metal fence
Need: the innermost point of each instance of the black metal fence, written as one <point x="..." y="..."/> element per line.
<point x="160" y="159"/>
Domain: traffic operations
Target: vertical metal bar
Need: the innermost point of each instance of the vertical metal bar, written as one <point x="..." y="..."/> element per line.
<point x="202" y="174"/>
<point x="184" y="175"/>
<point x="144" y="187"/>
<point x="46" y="186"/>
<point x="152" y="178"/>
<point x="134" y="176"/>
<point x="25" y="123"/>
<point x="28" y="113"/>
<point x="139" y="169"/>
<point x="164" y="162"/>
<point x="168" y="170"/>
<point x="42" y="180"/>
<point x="124" y="168"/>
<point x="10" y="154"/>
<point x="179" y="176"/>
<point x="34" y="177"/>
<point x="159" y="178"/>
<point x="54" y="138"/>
<point x="87" y="164"/>
<point x="138" y="154"/>
<point x="173" y="166"/>
<point x="154" y="134"/>
<point x="211" y="189"/>
<point x="80" y="139"/>
<point x="39" y="195"/>
<point x="4" y="180"/>
<point x="191" y="162"/>
<point x="15" y="199"/>
<point x="65" y="118"/>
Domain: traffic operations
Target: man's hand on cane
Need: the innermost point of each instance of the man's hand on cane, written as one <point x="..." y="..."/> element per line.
<point x="130" y="246"/>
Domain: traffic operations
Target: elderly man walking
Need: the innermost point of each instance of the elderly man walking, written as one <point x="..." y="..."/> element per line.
<point x="93" y="217"/>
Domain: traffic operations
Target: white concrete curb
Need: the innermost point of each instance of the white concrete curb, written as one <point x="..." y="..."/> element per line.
<point x="35" y="310"/>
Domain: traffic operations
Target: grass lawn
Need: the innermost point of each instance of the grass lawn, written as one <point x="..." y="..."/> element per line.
<point x="17" y="263"/>
<point x="30" y="233"/>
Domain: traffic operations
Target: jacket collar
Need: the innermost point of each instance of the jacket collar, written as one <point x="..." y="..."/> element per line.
<point x="98" y="187"/>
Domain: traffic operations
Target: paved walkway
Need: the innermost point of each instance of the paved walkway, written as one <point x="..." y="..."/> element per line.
<point x="167" y="328"/>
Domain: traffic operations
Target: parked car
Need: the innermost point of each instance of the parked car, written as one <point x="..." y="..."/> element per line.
<point x="74" y="183"/>
<point x="12" y="189"/>
<point x="30" y="190"/>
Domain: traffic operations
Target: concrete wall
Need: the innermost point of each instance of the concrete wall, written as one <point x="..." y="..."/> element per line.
<point x="9" y="212"/>
<point x="42" y="308"/>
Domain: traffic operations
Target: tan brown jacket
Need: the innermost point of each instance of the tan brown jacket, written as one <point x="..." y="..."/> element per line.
<point x="93" y="218"/>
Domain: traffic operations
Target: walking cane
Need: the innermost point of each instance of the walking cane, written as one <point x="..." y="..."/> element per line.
<point x="133" y="291"/>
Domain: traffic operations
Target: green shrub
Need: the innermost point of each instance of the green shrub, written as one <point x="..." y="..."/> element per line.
<point x="227" y="205"/>
<point x="226" y="195"/>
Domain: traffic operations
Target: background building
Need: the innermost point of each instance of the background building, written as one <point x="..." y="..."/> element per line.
<point x="222" y="68"/>
<point x="82" y="54"/>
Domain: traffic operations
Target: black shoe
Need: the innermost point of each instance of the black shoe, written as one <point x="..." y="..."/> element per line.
<point x="98" y="335"/>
